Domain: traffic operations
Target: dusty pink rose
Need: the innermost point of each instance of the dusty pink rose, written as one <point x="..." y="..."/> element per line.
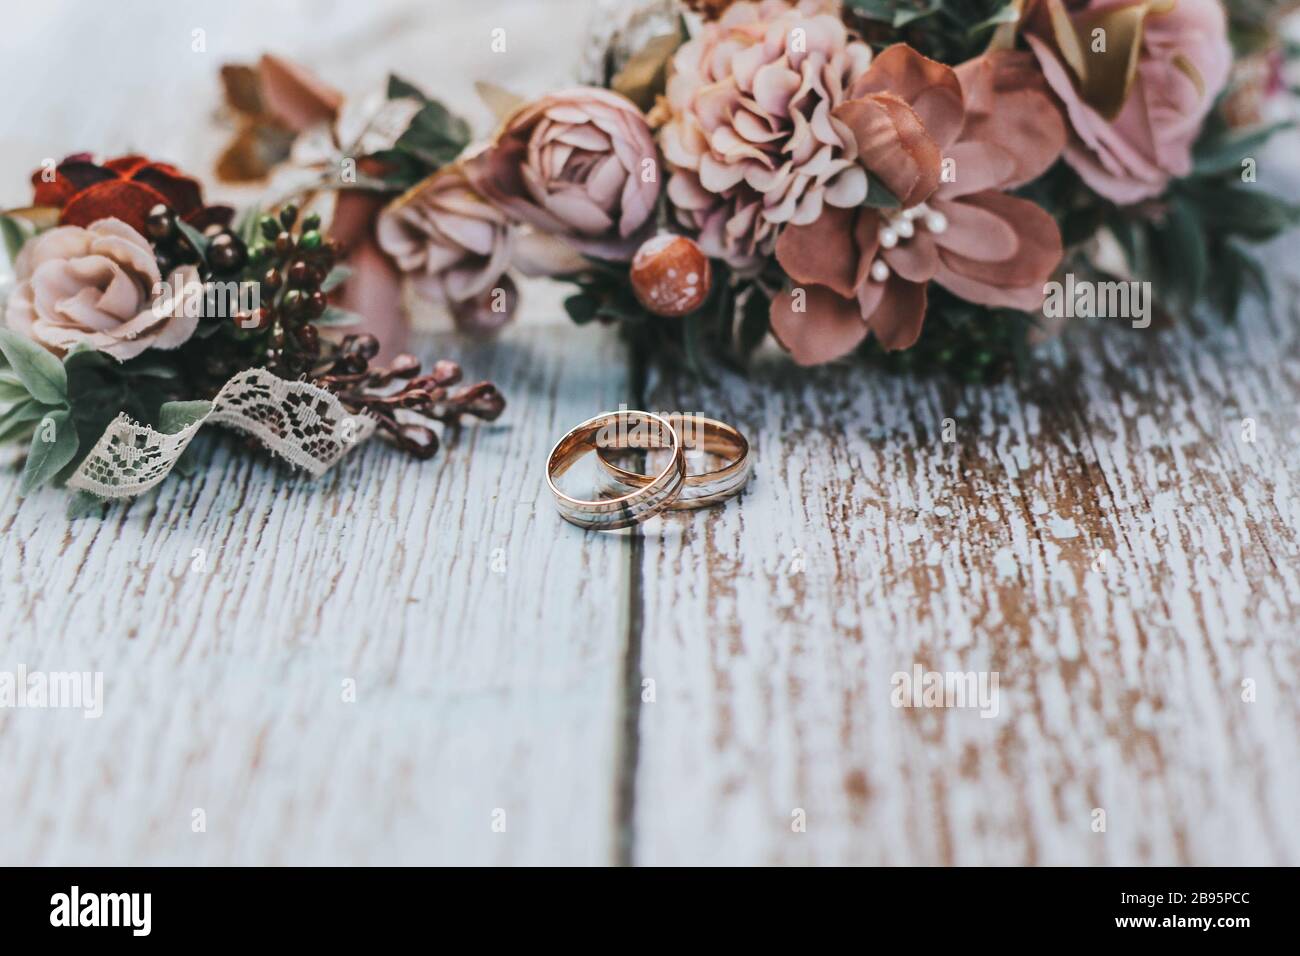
<point x="1128" y="149"/>
<point x="580" y="165"/>
<point x="95" y="286"/>
<point x="753" y="142"/>
<point x="860" y="271"/>
<point x="453" y="243"/>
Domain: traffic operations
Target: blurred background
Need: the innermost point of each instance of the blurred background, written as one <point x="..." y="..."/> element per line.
<point x="143" y="78"/>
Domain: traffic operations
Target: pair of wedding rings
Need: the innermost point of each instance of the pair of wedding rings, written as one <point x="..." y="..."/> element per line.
<point x="631" y="497"/>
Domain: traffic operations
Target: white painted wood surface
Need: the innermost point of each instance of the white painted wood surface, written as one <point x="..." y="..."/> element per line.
<point x="1102" y="537"/>
<point x="486" y="645"/>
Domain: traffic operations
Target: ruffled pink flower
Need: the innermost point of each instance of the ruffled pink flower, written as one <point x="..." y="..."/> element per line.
<point x="753" y="141"/>
<point x="96" y="286"/>
<point x="580" y="165"/>
<point x="1182" y="65"/>
<point x="866" y="270"/>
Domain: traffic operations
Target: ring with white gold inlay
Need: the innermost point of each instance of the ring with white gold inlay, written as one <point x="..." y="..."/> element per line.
<point x="615" y="430"/>
<point x="704" y="489"/>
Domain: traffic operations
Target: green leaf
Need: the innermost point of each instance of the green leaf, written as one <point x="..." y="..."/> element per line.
<point x="1188" y="258"/>
<point x="17" y="421"/>
<point x="15" y="233"/>
<point x="151" y="368"/>
<point x="39" y="371"/>
<point x="12" y="390"/>
<point x="248" y="229"/>
<point x="753" y="321"/>
<point x="53" y="444"/>
<point x="399" y="88"/>
<point x="195" y="238"/>
<point x="83" y="504"/>
<point x="1247" y="212"/>
<point x="337" y="276"/>
<point x="175" y="416"/>
<point x="581" y="308"/>
<point x="879" y="195"/>
<point x="336" y="318"/>
<point x="1008" y="14"/>
<point x="1214" y="155"/>
<point x="435" y="136"/>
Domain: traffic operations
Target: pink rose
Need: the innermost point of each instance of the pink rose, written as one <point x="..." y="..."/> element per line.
<point x="454" y="244"/>
<point x="580" y="165"/>
<point x="1128" y="148"/>
<point x="96" y="286"/>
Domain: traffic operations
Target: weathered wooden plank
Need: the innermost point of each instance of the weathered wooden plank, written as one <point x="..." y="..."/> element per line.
<point x="485" y="638"/>
<point x="1103" y="538"/>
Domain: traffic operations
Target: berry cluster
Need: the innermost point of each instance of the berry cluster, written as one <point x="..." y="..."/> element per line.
<point x="291" y="267"/>
<point x="396" y="395"/>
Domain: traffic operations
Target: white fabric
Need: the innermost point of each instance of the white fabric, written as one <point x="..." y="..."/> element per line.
<point x="305" y="425"/>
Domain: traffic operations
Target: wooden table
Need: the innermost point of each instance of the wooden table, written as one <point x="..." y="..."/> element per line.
<point x="421" y="663"/>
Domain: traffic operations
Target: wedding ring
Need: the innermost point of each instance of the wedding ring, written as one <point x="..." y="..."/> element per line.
<point x="613" y="430"/>
<point x="704" y="489"/>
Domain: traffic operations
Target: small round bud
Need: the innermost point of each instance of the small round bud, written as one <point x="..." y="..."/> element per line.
<point x="160" y="223"/>
<point x="670" y="275"/>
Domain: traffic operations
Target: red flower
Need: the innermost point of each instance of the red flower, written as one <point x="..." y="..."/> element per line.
<point x="125" y="188"/>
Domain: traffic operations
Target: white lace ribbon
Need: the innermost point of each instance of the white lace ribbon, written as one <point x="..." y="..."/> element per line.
<point x="305" y="425"/>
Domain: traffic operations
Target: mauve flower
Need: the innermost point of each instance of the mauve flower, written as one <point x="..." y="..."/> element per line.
<point x="451" y="241"/>
<point x="95" y="286"/>
<point x="866" y="270"/>
<point x="753" y="142"/>
<point x="1170" y="57"/>
<point x="580" y="165"/>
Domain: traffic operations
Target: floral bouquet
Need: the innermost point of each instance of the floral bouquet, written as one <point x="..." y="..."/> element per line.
<point x="137" y="313"/>
<point x="922" y="183"/>
<point x="930" y="184"/>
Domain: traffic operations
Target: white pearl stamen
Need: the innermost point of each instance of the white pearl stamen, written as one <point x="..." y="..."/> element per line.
<point x="879" y="271"/>
<point x="888" y="237"/>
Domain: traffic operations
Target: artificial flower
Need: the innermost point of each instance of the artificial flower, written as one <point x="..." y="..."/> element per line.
<point x="96" y="287"/>
<point x="753" y="141"/>
<point x="124" y="188"/>
<point x="1136" y="93"/>
<point x="454" y="244"/>
<point x="580" y="165"/>
<point x="947" y="144"/>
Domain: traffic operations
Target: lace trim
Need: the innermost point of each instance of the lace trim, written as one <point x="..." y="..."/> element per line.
<point x="305" y="425"/>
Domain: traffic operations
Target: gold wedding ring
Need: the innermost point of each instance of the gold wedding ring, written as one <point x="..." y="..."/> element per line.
<point x="615" y="430"/>
<point x="703" y="489"/>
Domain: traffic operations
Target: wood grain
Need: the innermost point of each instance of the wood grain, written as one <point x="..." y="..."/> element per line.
<point x="1101" y="537"/>
<point x="485" y="642"/>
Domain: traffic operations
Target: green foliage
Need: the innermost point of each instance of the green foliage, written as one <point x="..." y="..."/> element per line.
<point x="177" y="416"/>
<point x="950" y="31"/>
<point x="14" y="232"/>
<point x="338" y="275"/>
<point x="54" y="443"/>
<point x="39" y="372"/>
<point x="435" y="137"/>
<point x="964" y="341"/>
<point x="61" y="408"/>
